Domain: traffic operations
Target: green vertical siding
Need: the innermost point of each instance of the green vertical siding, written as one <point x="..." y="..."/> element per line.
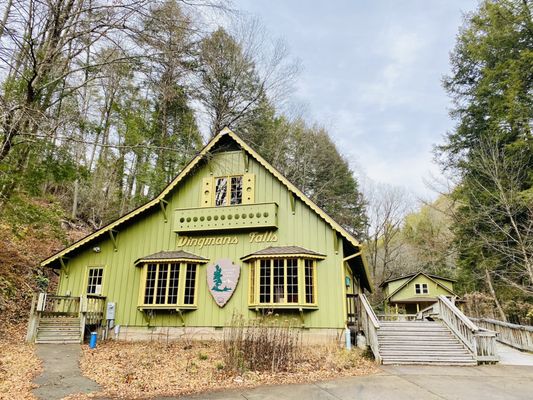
<point x="149" y="234"/>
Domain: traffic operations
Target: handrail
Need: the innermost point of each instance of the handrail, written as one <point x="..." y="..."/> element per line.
<point x="481" y="342"/>
<point x="519" y="336"/>
<point x="369" y="325"/>
<point x="463" y="328"/>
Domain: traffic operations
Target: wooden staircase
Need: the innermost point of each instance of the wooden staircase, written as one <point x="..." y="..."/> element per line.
<point x="60" y="330"/>
<point x="421" y="342"/>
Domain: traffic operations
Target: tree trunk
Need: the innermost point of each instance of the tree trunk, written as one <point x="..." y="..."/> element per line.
<point x="493" y="294"/>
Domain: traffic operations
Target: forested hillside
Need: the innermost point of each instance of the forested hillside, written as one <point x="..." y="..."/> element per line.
<point x="102" y="104"/>
<point x="480" y="229"/>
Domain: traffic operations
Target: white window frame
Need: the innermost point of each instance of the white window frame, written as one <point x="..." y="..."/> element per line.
<point x="228" y="196"/>
<point x="421" y="288"/>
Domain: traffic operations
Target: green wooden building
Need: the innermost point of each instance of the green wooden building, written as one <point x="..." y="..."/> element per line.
<point x="228" y="234"/>
<point x="411" y="293"/>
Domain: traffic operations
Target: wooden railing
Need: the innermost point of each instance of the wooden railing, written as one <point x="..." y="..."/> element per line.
<point x="369" y="324"/>
<point x="396" y="317"/>
<point x="51" y="305"/>
<point x="481" y="342"/>
<point x="92" y="309"/>
<point x="518" y="336"/>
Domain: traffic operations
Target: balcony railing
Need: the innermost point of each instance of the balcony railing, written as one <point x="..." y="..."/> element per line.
<point x="248" y="216"/>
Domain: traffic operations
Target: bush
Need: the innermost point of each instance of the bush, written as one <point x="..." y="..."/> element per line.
<point x="263" y="344"/>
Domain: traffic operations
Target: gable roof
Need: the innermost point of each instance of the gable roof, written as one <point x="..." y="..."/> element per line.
<point x="178" y="255"/>
<point x="415" y="274"/>
<point x="283" y="251"/>
<point x="155" y="202"/>
<point x="430" y="277"/>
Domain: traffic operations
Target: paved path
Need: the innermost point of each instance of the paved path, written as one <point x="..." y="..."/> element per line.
<point x="61" y="375"/>
<point x="511" y="356"/>
<point x="491" y="382"/>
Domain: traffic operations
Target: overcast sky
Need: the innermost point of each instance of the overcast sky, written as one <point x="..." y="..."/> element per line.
<point x="372" y="75"/>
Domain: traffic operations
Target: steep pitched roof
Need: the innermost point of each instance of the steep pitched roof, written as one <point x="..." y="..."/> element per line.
<point x="185" y="172"/>
<point x="413" y="276"/>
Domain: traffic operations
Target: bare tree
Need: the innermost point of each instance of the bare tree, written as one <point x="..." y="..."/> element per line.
<point x="387" y="208"/>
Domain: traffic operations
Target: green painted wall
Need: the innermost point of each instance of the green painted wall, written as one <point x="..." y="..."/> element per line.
<point x="149" y="234"/>
<point x="392" y="286"/>
<point x="409" y="290"/>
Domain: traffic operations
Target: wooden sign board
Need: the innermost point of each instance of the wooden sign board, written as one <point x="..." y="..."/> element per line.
<point x="222" y="278"/>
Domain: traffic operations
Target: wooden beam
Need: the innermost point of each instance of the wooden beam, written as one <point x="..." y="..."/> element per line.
<point x="352" y="256"/>
<point x="246" y="158"/>
<point x="113" y="236"/>
<point x="64" y="265"/>
<point x="163" y="204"/>
<point x="293" y="202"/>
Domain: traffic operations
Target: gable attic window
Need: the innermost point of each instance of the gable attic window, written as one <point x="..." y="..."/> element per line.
<point x="283" y="277"/>
<point x="421" y="288"/>
<point x="228" y="190"/>
<point x="169" y="280"/>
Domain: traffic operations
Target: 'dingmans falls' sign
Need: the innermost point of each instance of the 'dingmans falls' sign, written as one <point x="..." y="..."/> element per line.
<point x="222" y="278"/>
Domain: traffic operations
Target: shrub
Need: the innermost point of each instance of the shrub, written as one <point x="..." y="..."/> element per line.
<point x="263" y="344"/>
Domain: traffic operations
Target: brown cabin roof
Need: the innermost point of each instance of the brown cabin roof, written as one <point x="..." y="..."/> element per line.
<point x="177" y="255"/>
<point x="415" y="274"/>
<point x="283" y="251"/>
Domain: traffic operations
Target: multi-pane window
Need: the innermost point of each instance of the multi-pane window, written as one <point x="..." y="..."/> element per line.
<point x="94" y="281"/>
<point x="421" y="288"/>
<point x="309" y="273"/>
<point x="228" y="190"/>
<point x="168" y="284"/>
<point x="288" y="281"/>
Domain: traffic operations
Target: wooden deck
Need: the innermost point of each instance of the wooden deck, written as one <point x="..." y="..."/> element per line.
<point x="63" y="319"/>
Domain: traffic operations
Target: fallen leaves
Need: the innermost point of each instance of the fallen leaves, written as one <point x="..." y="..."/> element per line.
<point x="150" y="369"/>
<point x="18" y="365"/>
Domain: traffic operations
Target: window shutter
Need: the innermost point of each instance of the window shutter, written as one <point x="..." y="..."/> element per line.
<point x="248" y="189"/>
<point x="207" y="192"/>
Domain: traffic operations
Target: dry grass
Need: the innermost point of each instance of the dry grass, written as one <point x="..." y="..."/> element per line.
<point x="18" y="365"/>
<point x="149" y="369"/>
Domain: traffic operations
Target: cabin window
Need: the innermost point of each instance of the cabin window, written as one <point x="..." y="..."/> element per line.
<point x="228" y="190"/>
<point x="421" y="288"/>
<point x="94" y="280"/>
<point x="283" y="281"/>
<point x="169" y="284"/>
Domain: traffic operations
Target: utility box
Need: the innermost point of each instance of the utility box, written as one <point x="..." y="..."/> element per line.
<point x="110" y="311"/>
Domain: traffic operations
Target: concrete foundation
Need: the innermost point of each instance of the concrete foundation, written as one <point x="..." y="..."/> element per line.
<point x="163" y="334"/>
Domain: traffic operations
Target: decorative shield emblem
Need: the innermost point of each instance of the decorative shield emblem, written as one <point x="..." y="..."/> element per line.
<point x="222" y="278"/>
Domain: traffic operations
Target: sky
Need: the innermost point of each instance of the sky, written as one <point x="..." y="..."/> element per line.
<point x="371" y="74"/>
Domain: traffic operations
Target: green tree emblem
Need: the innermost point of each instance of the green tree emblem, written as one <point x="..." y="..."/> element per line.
<point x="217" y="279"/>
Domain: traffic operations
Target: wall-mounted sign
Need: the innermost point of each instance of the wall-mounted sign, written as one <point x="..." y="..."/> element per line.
<point x="253" y="237"/>
<point x="222" y="278"/>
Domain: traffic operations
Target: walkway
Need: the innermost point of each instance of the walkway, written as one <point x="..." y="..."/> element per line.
<point x="511" y="356"/>
<point x="61" y="375"/>
<point x="490" y="382"/>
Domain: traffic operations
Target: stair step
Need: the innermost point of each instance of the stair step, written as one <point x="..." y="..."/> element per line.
<point x="423" y="348"/>
<point x="414" y="354"/>
<point x="456" y="363"/>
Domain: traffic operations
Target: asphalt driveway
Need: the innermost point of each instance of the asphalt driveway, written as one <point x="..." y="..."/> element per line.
<point x="490" y="382"/>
